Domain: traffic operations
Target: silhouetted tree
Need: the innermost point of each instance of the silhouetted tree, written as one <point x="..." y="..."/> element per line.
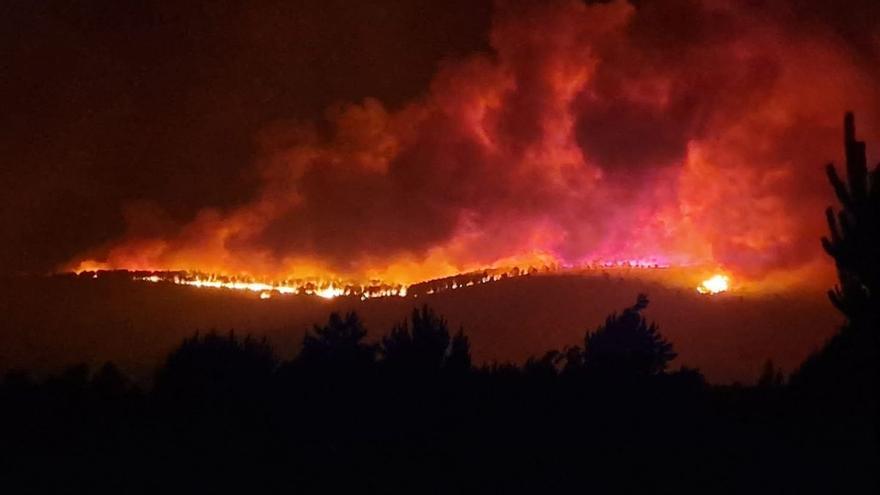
<point x="109" y="383"/>
<point x="574" y="359"/>
<point x="854" y="241"/>
<point x="771" y="376"/>
<point x="546" y="367"/>
<point x="338" y="344"/>
<point x="213" y="366"/>
<point x="71" y="384"/>
<point x="459" y="357"/>
<point x="427" y="347"/>
<point x="626" y="344"/>
<point x="846" y="366"/>
<point x="688" y="378"/>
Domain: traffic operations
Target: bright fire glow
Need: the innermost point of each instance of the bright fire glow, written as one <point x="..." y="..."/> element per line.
<point x="714" y="285"/>
<point x="332" y="287"/>
<point x="321" y="288"/>
<point x="329" y="292"/>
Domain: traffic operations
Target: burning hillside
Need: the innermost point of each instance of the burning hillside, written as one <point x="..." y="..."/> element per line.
<point x="332" y="288"/>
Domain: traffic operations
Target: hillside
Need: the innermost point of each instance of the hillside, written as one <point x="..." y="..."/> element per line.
<point x="52" y="322"/>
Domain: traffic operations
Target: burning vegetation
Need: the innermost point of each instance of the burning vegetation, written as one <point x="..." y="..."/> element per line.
<point x="331" y="288"/>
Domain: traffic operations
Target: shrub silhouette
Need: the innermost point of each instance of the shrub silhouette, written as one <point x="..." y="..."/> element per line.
<point x="627" y="345"/>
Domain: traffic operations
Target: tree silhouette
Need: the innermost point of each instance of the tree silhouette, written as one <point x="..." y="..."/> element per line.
<point x="459" y="357"/>
<point x="213" y="366"/>
<point x="338" y="344"/>
<point x="545" y="367"/>
<point x="626" y="344"/>
<point x="71" y="384"/>
<point x="854" y="241"/>
<point x="846" y="366"/>
<point x="771" y="376"/>
<point x="574" y="359"/>
<point x="424" y="345"/>
<point x="109" y="383"/>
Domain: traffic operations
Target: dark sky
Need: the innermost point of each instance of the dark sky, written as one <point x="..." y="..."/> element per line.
<point x="108" y="102"/>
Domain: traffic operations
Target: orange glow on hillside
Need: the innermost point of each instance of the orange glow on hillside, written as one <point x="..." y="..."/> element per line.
<point x="330" y="288"/>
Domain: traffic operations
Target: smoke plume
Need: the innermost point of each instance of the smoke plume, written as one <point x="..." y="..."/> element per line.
<point x="689" y="132"/>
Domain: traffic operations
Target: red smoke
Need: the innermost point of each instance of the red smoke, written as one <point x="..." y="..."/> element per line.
<point x="690" y="132"/>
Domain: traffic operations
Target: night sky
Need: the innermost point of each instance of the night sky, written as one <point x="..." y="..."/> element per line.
<point x="110" y="103"/>
<point x="416" y="139"/>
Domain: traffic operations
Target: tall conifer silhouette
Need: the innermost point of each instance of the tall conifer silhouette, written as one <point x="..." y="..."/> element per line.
<point x="854" y="240"/>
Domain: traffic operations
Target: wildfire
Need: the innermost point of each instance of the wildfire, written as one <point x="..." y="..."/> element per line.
<point x="565" y="147"/>
<point x="714" y="285"/>
<point x="330" y="287"/>
<point x="321" y="288"/>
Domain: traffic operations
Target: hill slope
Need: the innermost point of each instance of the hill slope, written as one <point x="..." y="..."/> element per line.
<point x="51" y="322"/>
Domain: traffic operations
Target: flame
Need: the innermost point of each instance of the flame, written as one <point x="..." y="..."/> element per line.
<point x="327" y="289"/>
<point x="330" y="288"/>
<point x="714" y="285"/>
<point x="329" y="292"/>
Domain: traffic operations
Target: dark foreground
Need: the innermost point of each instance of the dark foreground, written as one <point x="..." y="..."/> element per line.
<point x="413" y="416"/>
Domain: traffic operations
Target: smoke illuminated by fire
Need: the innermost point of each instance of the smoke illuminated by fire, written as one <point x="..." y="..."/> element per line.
<point x="689" y="134"/>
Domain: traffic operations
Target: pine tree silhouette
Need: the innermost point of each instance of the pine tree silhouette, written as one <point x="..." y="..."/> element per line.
<point x="337" y="345"/>
<point x="427" y="346"/>
<point x="854" y="241"/>
<point x="846" y="366"/>
<point x="627" y="345"/>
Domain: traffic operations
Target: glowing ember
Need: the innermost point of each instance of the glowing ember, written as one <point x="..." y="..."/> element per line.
<point x="714" y="285"/>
